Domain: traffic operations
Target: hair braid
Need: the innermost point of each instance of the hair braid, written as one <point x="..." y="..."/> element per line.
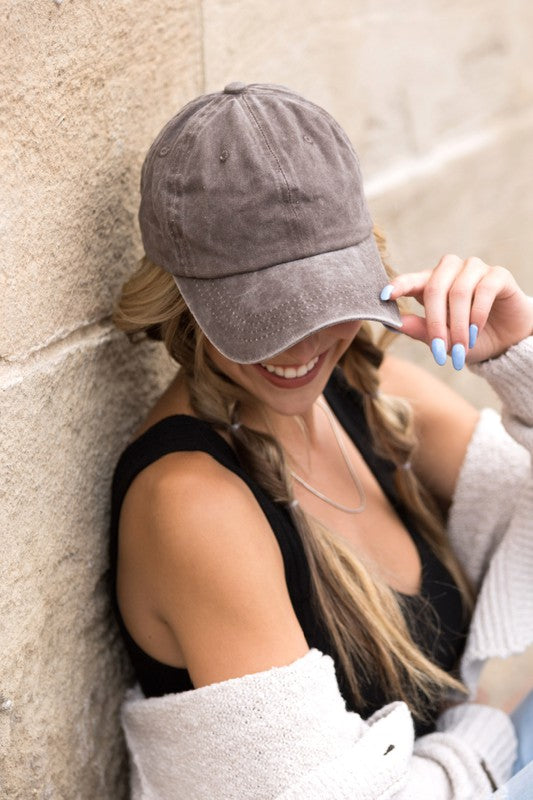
<point x="360" y="613"/>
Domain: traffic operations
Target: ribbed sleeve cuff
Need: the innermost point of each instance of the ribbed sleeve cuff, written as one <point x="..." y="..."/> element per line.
<point x="511" y="376"/>
<point x="488" y="731"/>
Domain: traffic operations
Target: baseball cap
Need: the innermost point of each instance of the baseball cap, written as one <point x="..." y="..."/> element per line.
<point x="252" y="198"/>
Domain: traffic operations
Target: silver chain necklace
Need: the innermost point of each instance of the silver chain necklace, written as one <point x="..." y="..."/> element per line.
<point x="351" y="470"/>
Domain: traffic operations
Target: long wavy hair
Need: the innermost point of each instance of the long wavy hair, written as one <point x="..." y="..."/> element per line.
<point x="363" y="617"/>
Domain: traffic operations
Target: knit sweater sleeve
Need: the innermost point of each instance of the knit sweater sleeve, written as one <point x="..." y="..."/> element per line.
<point x="491" y="520"/>
<point x="497" y="463"/>
<point x="285" y="734"/>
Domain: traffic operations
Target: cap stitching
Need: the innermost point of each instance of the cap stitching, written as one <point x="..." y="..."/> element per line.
<point x="265" y="333"/>
<point x="189" y="137"/>
<point x="204" y="111"/>
<point x="265" y="137"/>
<point x="264" y="320"/>
<point x="304" y="101"/>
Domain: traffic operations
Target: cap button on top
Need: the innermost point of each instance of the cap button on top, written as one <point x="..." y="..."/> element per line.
<point x="234" y="88"/>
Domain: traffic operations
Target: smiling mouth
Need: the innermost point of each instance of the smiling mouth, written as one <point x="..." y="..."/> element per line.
<point x="303" y="374"/>
<point x="291" y="372"/>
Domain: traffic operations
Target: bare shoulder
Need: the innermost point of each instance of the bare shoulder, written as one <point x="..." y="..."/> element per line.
<point x="203" y="555"/>
<point x="193" y="504"/>
<point x="444" y="422"/>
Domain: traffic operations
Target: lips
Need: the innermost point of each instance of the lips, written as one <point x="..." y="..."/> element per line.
<point x="291" y="372"/>
<point x="291" y="383"/>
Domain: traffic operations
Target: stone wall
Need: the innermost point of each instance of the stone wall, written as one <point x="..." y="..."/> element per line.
<point x="87" y="86"/>
<point x="438" y="99"/>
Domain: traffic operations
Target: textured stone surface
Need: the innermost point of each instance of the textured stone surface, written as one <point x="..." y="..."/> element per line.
<point x="401" y="78"/>
<point x="62" y="670"/>
<point x="88" y="87"/>
<point x="85" y="87"/>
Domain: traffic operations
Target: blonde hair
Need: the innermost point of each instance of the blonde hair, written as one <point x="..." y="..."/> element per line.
<point x="362" y="615"/>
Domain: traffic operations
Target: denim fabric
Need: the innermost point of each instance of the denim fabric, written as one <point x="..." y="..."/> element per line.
<point x="523" y="721"/>
<point x="520" y="786"/>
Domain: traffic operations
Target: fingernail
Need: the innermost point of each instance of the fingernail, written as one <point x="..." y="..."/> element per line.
<point x="458" y="356"/>
<point x="438" y="349"/>
<point x="472" y="331"/>
<point x="386" y="292"/>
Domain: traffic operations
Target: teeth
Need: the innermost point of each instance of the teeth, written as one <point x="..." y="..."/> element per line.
<point x="291" y="372"/>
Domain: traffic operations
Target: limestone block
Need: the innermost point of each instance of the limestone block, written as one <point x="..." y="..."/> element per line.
<point x="62" y="670"/>
<point x="476" y="204"/>
<point x="88" y="87"/>
<point x="400" y="77"/>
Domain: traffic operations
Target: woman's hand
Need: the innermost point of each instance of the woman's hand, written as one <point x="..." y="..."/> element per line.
<point x="472" y="311"/>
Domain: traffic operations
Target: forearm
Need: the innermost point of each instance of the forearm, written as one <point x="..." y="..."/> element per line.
<point x="503" y="619"/>
<point x="511" y="377"/>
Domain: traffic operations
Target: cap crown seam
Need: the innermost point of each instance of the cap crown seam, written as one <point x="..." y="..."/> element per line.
<point x="189" y="137"/>
<point x="267" y="142"/>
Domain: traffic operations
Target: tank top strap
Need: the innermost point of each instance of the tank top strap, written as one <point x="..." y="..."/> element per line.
<point x="182" y="432"/>
<point x="178" y="432"/>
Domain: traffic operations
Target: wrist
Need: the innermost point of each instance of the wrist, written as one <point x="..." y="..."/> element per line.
<point x="472" y="362"/>
<point x="521" y="330"/>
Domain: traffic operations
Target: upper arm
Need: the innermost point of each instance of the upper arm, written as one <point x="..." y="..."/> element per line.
<point x="444" y="423"/>
<point x="214" y="572"/>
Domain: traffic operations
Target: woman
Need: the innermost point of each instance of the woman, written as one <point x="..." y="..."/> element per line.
<point x="293" y="535"/>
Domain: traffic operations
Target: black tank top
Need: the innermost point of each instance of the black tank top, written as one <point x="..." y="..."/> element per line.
<point x="435" y="617"/>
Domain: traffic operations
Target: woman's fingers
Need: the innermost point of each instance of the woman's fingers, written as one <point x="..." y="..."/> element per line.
<point x="408" y="284"/>
<point x="464" y="322"/>
<point x="414" y="327"/>
<point x="455" y="307"/>
<point x="431" y="288"/>
<point x="460" y="299"/>
<point x="467" y="304"/>
<point x="435" y="300"/>
<point x="495" y="282"/>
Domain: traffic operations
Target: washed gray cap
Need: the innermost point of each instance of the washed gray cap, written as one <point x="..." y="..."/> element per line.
<point x="252" y="198"/>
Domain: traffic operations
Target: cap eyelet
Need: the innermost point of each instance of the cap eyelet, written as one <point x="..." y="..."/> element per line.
<point x="164" y="151"/>
<point x="308" y="138"/>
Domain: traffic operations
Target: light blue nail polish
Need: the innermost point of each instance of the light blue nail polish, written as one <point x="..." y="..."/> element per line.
<point x="438" y="349"/>
<point x="472" y="331"/>
<point x="386" y="292"/>
<point x="458" y="356"/>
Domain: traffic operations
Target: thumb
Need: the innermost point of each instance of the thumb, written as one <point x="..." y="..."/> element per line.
<point x="414" y="327"/>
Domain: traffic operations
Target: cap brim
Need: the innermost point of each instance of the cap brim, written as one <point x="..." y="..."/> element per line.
<point x="252" y="316"/>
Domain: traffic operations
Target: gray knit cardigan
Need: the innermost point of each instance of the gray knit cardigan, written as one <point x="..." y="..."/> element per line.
<point x="285" y="733"/>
